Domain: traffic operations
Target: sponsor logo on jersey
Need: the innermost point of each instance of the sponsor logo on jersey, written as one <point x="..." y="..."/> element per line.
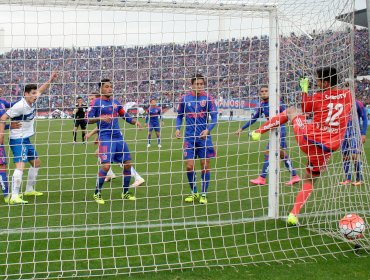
<point x="335" y="97"/>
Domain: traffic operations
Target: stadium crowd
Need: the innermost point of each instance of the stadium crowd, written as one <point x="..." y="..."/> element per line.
<point x="234" y="68"/>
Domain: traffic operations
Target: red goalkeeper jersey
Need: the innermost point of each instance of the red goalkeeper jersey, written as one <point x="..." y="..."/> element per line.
<point x="331" y="111"/>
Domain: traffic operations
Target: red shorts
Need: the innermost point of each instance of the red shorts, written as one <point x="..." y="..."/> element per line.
<point x="317" y="158"/>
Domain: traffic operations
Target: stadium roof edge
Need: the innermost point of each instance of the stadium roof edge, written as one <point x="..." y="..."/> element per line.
<point x="360" y="18"/>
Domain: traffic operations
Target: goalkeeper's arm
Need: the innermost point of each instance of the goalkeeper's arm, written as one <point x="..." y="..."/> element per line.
<point x="307" y="102"/>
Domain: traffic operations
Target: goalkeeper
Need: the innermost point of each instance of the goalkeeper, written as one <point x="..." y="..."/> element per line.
<point x="331" y="108"/>
<point x="264" y="109"/>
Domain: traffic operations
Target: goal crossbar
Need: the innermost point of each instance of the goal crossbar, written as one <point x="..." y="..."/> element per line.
<point x="149" y="6"/>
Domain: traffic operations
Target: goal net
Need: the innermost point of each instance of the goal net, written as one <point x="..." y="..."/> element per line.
<point x="150" y="50"/>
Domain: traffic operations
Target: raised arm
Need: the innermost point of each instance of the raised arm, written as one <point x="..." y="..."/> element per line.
<point x="307" y="101"/>
<point x="46" y="85"/>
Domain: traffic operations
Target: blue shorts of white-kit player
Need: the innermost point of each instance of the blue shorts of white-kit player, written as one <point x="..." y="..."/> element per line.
<point x="23" y="150"/>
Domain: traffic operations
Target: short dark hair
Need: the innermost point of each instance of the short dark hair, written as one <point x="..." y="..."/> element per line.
<point x="79" y="98"/>
<point x="263" y="86"/>
<point x="328" y="74"/>
<point x="30" y="87"/>
<point x="197" y="77"/>
<point x="103" y="81"/>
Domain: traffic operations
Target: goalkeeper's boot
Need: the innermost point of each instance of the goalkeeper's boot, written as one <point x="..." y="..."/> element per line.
<point x="192" y="197"/>
<point x="139" y="181"/>
<point x="98" y="198"/>
<point x="357" y="183"/>
<point x="346" y="182"/>
<point x="256" y="136"/>
<point x="203" y="199"/>
<point x="260" y="181"/>
<point x="7" y="198"/>
<point x="16" y="199"/>
<point x="33" y="193"/>
<point x="292" y="220"/>
<point x="128" y="196"/>
<point x="294" y="180"/>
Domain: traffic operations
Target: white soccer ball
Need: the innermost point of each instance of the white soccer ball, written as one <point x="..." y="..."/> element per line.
<point x="352" y="226"/>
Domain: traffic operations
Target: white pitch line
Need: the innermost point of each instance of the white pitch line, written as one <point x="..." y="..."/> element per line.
<point x="122" y="226"/>
<point x="87" y="227"/>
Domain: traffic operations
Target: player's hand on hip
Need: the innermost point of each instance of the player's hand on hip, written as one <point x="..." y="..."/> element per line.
<point x="105" y="119"/>
<point x="204" y="134"/>
<point x="178" y="134"/>
<point x="15" y="125"/>
<point x="238" y="132"/>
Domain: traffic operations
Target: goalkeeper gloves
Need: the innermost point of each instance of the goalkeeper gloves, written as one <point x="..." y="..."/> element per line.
<point x="303" y="83"/>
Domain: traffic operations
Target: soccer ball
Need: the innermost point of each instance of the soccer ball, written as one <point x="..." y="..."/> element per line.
<point x="352" y="226"/>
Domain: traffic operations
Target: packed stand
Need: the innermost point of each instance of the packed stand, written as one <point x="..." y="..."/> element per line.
<point x="234" y="68"/>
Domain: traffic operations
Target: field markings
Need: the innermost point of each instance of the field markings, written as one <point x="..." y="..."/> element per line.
<point x="138" y="225"/>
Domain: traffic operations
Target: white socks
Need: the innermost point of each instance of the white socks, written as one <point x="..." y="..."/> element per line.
<point x="31" y="179"/>
<point x="110" y="172"/>
<point x="16" y="182"/>
<point x="134" y="173"/>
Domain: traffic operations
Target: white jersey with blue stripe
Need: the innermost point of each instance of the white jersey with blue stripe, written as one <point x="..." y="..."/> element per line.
<point x="25" y="114"/>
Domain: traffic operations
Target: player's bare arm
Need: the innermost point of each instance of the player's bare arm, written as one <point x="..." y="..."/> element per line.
<point x="137" y="124"/>
<point x="102" y="119"/>
<point x="46" y="85"/>
<point x="91" y="133"/>
<point x="3" y="120"/>
<point x="178" y="134"/>
<point x="238" y="132"/>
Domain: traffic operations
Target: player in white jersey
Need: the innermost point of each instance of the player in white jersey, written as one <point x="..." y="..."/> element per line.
<point x="20" y="144"/>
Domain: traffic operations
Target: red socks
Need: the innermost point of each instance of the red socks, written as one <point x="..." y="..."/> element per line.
<point x="302" y="197"/>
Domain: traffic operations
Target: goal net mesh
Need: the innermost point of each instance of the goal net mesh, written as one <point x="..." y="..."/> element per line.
<point x="151" y="49"/>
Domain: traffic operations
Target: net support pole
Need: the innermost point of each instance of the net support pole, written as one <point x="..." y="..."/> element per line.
<point x="368" y="21"/>
<point x="274" y="103"/>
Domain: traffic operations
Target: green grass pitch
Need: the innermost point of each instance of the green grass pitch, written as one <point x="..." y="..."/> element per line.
<point x="66" y="234"/>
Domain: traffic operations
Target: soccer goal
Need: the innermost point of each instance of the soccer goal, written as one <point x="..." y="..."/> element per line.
<point x="150" y="50"/>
